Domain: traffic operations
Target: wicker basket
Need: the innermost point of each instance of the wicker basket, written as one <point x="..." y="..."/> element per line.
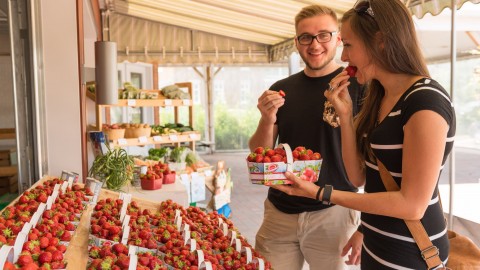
<point x="114" y="134"/>
<point x="137" y="132"/>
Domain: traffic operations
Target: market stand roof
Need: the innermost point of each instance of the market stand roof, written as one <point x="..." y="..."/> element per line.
<point x="220" y="31"/>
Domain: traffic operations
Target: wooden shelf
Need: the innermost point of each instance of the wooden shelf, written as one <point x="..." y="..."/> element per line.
<point x="7" y="133"/>
<point x="159" y="102"/>
<point x="161" y="139"/>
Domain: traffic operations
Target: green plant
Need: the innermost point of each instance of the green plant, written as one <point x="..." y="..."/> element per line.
<point x="115" y="168"/>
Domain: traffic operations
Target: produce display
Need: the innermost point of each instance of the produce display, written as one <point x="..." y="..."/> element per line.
<point x="58" y="221"/>
<point x="170" y="128"/>
<point x="268" y="166"/>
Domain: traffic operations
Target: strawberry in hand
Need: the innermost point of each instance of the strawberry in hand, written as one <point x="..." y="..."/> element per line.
<point x="351" y="70"/>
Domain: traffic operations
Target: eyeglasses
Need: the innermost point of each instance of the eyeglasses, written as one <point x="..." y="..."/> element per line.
<point x="363" y="7"/>
<point x="321" y="37"/>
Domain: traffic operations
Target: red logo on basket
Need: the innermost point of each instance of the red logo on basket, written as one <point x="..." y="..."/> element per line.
<point x="272" y="167"/>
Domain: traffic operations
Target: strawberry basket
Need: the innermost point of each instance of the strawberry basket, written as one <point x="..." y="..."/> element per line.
<point x="268" y="166"/>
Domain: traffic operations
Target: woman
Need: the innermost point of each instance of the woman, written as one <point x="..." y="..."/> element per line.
<point x="407" y="121"/>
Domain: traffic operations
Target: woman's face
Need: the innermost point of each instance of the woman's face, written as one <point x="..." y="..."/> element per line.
<point x="355" y="54"/>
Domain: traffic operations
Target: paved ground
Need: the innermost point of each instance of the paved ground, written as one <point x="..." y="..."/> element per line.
<point x="247" y="199"/>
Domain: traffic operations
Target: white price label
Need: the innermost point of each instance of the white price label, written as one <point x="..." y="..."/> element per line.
<point x="193" y="136"/>
<point x="132" y="102"/>
<point x="122" y="141"/>
<point x="173" y="137"/>
<point x="142" y="139"/>
<point x="168" y="102"/>
<point x="157" y="138"/>
<point x="186" y="102"/>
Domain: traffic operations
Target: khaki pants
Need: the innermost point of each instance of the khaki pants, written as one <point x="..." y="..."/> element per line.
<point x="286" y="240"/>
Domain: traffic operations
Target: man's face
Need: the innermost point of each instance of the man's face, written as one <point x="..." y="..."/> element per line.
<point x="317" y="55"/>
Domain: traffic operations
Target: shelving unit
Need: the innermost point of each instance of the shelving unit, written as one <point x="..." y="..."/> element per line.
<point x="156" y="103"/>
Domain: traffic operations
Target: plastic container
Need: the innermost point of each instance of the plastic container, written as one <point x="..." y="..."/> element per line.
<point x="151" y="184"/>
<point x="169" y="178"/>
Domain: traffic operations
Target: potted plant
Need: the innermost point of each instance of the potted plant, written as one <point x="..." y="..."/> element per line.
<point x="114" y="168"/>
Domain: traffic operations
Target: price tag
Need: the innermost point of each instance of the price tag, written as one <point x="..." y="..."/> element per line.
<point x="186" y="102"/>
<point x="173" y="137"/>
<point x="70" y="181"/>
<point x="142" y="139"/>
<point x="157" y="138"/>
<point x="168" y="102"/>
<point x="132" y="102"/>
<point x="193" y="136"/>
<point x="122" y="141"/>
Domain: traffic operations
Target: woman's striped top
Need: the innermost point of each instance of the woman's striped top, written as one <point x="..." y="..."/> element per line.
<point x="387" y="242"/>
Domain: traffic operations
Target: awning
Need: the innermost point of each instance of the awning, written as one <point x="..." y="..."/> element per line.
<point x="219" y="31"/>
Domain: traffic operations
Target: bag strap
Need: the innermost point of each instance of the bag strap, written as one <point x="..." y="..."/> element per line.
<point x="428" y="251"/>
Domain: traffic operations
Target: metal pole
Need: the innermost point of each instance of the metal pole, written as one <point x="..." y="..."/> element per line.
<point x="453" y="59"/>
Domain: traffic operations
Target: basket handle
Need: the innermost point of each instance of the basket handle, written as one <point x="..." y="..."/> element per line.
<point x="288" y="152"/>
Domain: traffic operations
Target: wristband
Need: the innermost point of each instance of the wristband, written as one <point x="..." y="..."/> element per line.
<point x="317" y="197"/>
<point x="327" y="192"/>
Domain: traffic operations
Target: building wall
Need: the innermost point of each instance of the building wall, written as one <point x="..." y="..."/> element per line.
<point x="59" y="38"/>
<point x="7" y="113"/>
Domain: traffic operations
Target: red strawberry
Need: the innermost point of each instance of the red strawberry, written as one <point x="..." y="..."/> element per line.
<point x="57" y="256"/>
<point x="24" y="259"/>
<point x="276" y="158"/>
<point x="45" y="257"/>
<point x="251" y="157"/>
<point x="30" y="266"/>
<point x="269" y="152"/>
<point x="259" y="158"/>
<point x="281" y="93"/>
<point x="267" y="160"/>
<point x="351" y="70"/>
<point x="9" y="266"/>
<point x="259" y="150"/>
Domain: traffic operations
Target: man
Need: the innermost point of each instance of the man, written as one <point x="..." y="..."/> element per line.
<point x="296" y="229"/>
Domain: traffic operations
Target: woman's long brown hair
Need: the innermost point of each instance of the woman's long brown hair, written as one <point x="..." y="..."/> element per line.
<point x="391" y="26"/>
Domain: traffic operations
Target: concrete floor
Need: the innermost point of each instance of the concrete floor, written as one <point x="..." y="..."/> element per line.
<point x="247" y="199"/>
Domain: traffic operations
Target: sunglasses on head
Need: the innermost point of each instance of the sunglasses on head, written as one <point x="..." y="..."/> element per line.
<point x="363" y="7"/>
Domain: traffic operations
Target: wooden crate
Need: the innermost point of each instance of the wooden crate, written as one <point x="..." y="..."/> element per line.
<point x="4" y="158"/>
<point x="8" y="184"/>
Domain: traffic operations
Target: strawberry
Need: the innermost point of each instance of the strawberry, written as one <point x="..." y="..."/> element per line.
<point x="281" y="93"/>
<point x="276" y="158"/>
<point x="269" y="152"/>
<point x="259" y="150"/>
<point x="267" y="160"/>
<point x="251" y="157"/>
<point x="259" y="158"/>
<point x="9" y="266"/>
<point x="351" y="70"/>
<point x="24" y="259"/>
<point x="57" y="256"/>
<point x="30" y="266"/>
<point x="45" y="257"/>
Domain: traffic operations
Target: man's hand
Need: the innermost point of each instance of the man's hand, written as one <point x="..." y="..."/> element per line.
<point x="355" y="244"/>
<point x="268" y="104"/>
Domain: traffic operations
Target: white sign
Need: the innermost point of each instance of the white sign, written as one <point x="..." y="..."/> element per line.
<point x="132" y="102"/>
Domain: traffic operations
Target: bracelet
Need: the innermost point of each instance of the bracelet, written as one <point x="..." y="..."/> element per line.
<point x="326" y="194"/>
<point x="318" y="193"/>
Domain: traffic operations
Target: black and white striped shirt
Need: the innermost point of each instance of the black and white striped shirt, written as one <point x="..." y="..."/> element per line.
<point x="387" y="242"/>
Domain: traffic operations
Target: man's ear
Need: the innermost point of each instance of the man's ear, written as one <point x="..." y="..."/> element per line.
<point x="339" y="39"/>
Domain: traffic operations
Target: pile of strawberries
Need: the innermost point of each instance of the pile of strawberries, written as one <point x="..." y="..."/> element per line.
<point x="157" y="171"/>
<point x="266" y="155"/>
<point x="45" y="244"/>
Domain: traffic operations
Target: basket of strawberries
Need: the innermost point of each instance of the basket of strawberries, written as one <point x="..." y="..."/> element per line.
<point x="268" y="166"/>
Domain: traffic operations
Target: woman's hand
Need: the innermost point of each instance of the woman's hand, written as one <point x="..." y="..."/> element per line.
<point x="355" y="244"/>
<point x="268" y="104"/>
<point x="298" y="187"/>
<point x="338" y="95"/>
